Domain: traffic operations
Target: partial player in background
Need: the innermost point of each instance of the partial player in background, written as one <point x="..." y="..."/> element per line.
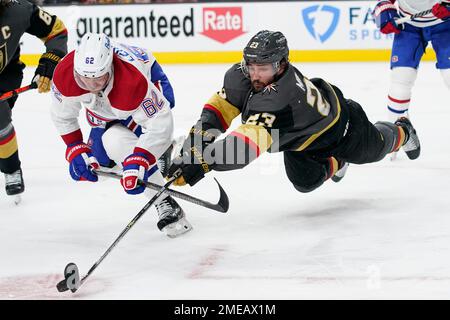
<point x="16" y="18"/>
<point x="309" y="120"/>
<point x="410" y="41"/>
<point x="130" y="116"/>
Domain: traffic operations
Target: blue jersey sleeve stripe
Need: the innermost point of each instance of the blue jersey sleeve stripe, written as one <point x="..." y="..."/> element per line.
<point x="158" y="74"/>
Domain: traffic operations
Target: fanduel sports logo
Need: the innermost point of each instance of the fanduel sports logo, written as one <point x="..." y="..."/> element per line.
<point x="321" y="21"/>
<point x="222" y="24"/>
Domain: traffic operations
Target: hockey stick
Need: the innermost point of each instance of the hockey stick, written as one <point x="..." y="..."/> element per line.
<point x="417" y="15"/>
<point x="16" y="92"/>
<point x="71" y="274"/>
<point x="221" y="206"/>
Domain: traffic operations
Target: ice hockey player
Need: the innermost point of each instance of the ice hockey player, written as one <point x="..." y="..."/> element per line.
<point x="16" y="18"/>
<point x="114" y="83"/>
<point x="309" y="120"/>
<point x="410" y="41"/>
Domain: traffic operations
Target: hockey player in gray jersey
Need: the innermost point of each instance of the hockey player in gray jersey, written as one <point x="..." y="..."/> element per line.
<point x="16" y="18"/>
<point x="309" y="120"/>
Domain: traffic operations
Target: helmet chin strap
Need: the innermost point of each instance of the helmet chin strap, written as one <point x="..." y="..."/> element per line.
<point x="244" y="68"/>
<point x="110" y="72"/>
<point x="111" y="75"/>
<point x="276" y="66"/>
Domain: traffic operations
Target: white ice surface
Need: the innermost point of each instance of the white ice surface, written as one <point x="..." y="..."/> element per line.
<point x="383" y="232"/>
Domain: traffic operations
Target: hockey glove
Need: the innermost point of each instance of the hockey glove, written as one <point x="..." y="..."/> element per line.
<point x="81" y="162"/>
<point x="385" y="14"/>
<point x="190" y="166"/>
<point x="442" y="10"/>
<point x="137" y="166"/>
<point x="44" y="72"/>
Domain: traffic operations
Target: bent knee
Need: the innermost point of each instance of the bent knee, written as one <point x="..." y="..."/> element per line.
<point x="119" y="142"/>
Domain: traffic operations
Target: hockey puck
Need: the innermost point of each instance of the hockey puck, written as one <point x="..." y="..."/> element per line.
<point x="62" y="286"/>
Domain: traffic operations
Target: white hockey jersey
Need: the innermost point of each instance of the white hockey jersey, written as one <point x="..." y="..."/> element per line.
<point x="130" y="92"/>
<point x="410" y="7"/>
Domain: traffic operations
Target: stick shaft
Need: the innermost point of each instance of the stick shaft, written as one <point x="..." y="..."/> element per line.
<point x="127" y="228"/>
<point x="409" y="18"/>
<point x="17" y="91"/>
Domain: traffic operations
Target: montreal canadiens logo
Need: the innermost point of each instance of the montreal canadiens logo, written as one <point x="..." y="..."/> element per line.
<point x="95" y="120"/>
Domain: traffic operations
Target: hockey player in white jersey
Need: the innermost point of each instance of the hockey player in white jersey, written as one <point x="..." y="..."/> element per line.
<point x="410" y="41"/>
<point x="131" y="119"/>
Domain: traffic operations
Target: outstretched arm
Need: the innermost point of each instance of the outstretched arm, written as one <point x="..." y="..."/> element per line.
<point x="240" y="147"/>
<point x="216" y="117"/>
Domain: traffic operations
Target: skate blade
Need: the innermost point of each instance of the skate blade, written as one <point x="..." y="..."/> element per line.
<point x="340" y="174"/>
<point x="177" y="228"/>
<point x="17" y="199"/>
<point x="336" y="178"/>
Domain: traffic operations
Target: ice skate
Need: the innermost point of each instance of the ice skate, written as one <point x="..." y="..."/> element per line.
<point x="172" y="219"/>
<point x="412" y="144"/>
<point x="340" y="173"/>
<point x="14" y="185"/>
<point x="393" y="118"/>
<point x="165" y="161"/>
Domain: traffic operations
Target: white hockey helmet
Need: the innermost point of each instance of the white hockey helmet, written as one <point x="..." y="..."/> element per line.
<point x="93" y="57"/>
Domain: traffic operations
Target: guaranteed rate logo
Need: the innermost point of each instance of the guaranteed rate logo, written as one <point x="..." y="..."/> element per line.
<point x="321" y="21"/>
<point x="155" y="24"/>
<point x="223" y="24"/>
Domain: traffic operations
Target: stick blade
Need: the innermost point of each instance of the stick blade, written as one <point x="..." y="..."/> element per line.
<point x="221" y="206"/>
<point x="71" y="279"/>
<point x="224" y="202"/>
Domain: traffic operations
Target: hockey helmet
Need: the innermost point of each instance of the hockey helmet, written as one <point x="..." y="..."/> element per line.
<point x="266" y="47"/>
<point x="94" y="55"/>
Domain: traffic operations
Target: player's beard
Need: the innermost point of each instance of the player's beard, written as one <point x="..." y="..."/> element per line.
<point x="258" y="85"/>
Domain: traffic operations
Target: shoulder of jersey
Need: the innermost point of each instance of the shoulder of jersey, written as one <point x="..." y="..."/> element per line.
<point x="236" y="79"/>
<point x="22" y="9"/>
<point x="20" y="4"/>
<point x="133" y="54"/>
<point x="291" y="85"/>
<point x="130" y="86"/>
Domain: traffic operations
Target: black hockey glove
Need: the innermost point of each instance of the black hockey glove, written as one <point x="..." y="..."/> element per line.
<point x="44" y="72"/>
<point x="190" y="166"/>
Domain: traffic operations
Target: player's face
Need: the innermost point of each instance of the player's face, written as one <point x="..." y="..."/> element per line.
<point x="92" y="84"/>
<point x="261" y="75"/>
